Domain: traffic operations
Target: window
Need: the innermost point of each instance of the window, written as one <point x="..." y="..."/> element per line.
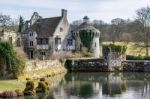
<point x="43" y="53"/>
<point x="31" y="43"/>
<point x="41" y="41"/>
<point x="70" y="42"/>
<point x="61" y="29"/>
<point x="57" y="41"/>
<point x="45" y="41"/>
<point x="31" y="34"/>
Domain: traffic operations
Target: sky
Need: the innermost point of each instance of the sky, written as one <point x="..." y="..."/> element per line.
<point x="105" y="10"/>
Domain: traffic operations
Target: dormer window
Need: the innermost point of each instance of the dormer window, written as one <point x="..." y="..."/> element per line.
<point x="61" y="29"/>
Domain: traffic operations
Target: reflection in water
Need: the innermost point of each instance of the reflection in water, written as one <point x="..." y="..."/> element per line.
<point x="100" y="86"/>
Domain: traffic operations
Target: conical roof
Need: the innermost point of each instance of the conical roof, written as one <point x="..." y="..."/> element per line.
<point x="87" y="26"/>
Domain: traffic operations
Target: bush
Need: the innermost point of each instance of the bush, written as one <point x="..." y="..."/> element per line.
<point x="29" y="90"/>
<point x="42" y="86"/>
<point x="13" y="63"/>
<point x="129" y="57"/>
<point x="115" y="48"/>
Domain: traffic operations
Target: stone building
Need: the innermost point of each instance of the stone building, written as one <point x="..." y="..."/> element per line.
<point x="12" y="37"/>
<point x="87" y="36"/>
<point x="43" y="37"/>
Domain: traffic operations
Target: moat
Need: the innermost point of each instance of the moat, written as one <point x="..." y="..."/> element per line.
<point x="100" y="86"/>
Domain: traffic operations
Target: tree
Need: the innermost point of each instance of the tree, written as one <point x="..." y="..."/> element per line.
<point x="10" y="63"/>
<point x="4" y="20"/>
<point x="143" y="15"/>
<point x="75" y="24"/>
<point x="21" y="24"/>
<point x="118" y="26"/>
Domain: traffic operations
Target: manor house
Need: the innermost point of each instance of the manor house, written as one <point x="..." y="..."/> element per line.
<point x="44" y="37"/>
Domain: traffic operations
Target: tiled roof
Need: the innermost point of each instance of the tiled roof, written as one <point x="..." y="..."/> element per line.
<point x="86" y="25"/>
<point x="45" y="27"/>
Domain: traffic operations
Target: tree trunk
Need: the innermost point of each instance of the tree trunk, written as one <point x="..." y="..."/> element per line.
<point x="147" y="42"/>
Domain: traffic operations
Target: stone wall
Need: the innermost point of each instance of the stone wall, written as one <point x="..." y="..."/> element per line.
<point x="136" y="66"/>
<point x="85" y="65"/>
<point x="38" y="69"/>
<point x="114" y="60"/>
<point x="38" y="65"/>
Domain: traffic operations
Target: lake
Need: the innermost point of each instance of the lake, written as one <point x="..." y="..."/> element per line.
<point x="101" y="86"/>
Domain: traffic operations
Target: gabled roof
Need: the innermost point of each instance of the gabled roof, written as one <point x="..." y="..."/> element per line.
<point x="45" y="27"/>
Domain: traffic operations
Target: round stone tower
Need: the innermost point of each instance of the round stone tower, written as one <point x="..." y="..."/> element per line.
<point x="88" y="36"/>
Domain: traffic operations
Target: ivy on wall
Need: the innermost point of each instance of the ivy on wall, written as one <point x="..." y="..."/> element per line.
<point x="86" y="37"/>
<point x="115" y="48"/>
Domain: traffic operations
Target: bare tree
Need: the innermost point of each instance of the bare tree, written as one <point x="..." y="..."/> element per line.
<point x="75" y="24"/>
<point x="117" y="27"/>
<point x="143" y="15"/>
<point x="4" y="20"/>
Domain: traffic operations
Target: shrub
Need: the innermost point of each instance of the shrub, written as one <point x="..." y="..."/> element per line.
<point x="115" y="48"/>
<point x="29" y="90"/>
<point x="13" y="63"/>
<point x="42" y="86"/>
<point x="129" y="57"/>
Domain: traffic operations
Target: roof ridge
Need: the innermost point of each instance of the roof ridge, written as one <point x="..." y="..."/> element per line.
<point x="49" y="18"/>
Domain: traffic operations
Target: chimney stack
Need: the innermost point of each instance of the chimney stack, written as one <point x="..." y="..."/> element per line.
<point x="64" y="13"/>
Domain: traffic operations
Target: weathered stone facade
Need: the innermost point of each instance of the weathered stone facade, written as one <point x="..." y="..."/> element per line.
<point x="11" y="37"/>
<point x="92" y="33"/>
<point x="114" y="60"/>
<point x="44" y="37"/>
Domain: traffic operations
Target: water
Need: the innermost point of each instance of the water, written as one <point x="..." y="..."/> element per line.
<point x="101" y="86"/>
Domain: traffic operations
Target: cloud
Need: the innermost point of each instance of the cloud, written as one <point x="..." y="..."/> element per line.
<point x="95" y="9"/>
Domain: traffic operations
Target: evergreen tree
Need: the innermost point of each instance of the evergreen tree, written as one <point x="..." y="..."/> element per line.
<point x="21" y="24"/>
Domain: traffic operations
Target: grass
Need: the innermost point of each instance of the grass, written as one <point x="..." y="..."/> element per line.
<point x="132" y="49"/>
<point x="11" y="85"/>
<point x="54" y="70"/>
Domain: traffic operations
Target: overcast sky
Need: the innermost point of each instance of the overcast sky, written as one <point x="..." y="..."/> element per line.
<point x="96" y="9"/>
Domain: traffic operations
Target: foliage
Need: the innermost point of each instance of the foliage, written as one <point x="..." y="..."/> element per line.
<point x="13" y="63"/>
<point x="21" y="24"/>
<point x="116" y="48"/>
<point x="129" y="57"/>
<point x="29" y="90"/>
<point x="4" y="20"/>
<point x="86" y="38"/>
<point x="42" y="86"/>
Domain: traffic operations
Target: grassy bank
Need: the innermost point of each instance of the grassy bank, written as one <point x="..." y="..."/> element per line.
<point x="55" y="73"/>
<point x="51" y="71"/>
<point x="11" y="85"/>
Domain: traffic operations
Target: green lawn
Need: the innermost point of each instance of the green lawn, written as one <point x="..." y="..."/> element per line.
<point x="11" y="85"/>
